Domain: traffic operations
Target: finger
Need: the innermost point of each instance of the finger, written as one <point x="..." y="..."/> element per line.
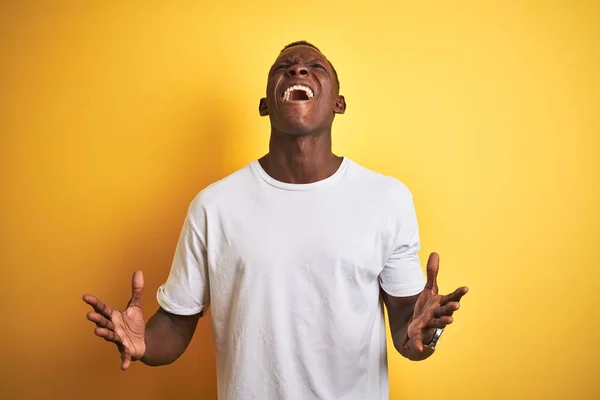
<point x="454" y="296"/>
<point x="418" y="341"/>
<point x="91" y="300"/>
<point x="137" y="289"/>
<point x="440" y="322"/>
<point x="98" y="305"/>
<point x="433" y="266"/>
<point x="448" y="309"/>
<point x="108" y="335"/>
<point x="100" y="321"/>
<point x="125" y="358"/>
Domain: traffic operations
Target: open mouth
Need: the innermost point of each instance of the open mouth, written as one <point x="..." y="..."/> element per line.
<point x="297" y="93"/>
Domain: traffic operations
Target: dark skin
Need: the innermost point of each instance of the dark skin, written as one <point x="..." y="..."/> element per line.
<point x="414" y="319"/>
<point x="300" y="144"/>
<point x="159" y="342"/>
<point x="300" y="151"/>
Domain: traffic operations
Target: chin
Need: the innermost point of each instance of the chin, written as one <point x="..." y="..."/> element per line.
<point x="296" y="127"/>
<point x="298" y="130"/>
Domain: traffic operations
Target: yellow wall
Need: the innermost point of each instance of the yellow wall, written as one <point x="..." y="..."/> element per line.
<point x="112" y="117"/>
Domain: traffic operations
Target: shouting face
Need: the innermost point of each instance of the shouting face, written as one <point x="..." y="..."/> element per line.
<point x="302" y="93"/>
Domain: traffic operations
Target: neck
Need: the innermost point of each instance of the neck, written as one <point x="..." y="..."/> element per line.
<point x="300" y="159"/>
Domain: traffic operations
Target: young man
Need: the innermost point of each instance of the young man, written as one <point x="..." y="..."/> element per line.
<point x="295" y="254"/>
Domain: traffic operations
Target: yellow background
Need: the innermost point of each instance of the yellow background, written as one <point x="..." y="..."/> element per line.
<point x="113" y="116"/>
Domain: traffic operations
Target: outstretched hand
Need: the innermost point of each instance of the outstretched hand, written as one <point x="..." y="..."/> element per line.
<point x="125" y="329"/>
<point x="432" y="310"/>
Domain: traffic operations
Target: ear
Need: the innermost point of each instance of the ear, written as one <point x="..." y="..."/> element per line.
<point x="340" y="105"/>
<point x="263" y="110"/>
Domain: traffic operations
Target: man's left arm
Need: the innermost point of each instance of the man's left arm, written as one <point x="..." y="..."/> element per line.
<point x="415" y="319"/>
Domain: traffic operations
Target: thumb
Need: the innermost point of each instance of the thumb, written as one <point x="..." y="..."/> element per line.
<point x="417" y="341"/>
<point x="137" y="288"/>
<point x="433" y="266"/>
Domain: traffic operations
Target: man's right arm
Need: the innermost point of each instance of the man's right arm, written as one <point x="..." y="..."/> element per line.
<point x="183" y="298"/>
<point x="167" y="336"/>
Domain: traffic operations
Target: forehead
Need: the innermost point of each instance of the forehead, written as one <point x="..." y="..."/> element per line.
<point x="303" y="52"/>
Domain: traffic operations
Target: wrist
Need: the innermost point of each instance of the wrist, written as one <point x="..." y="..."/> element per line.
<point x="436" y="337"/>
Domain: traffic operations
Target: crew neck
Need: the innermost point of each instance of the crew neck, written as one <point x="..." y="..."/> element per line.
<point x="331" y="180"/>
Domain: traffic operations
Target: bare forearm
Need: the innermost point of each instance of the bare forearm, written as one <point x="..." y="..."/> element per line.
<point x="400" y="313"/>
<point x="166" y="338"/>
<point x="415" y="319"/>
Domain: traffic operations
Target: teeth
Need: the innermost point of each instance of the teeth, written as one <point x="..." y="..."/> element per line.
<point x="306" y="89"/>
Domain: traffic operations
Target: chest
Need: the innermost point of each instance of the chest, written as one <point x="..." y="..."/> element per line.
<point x="299" y="239"/>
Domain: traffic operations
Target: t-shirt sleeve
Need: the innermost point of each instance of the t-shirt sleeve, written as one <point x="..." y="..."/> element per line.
<point x="186" y="291"/>
<point x="402" y="274"/>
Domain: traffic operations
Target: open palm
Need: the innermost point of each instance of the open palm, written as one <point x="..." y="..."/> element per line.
<point x="124" y="328"/>
<point x="432" y="310"/>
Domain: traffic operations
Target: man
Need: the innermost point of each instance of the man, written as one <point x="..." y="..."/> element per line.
<point x="295" y="254"/>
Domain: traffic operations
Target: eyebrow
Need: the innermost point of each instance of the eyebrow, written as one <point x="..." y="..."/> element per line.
<point x="294" y="58"/>
<point x="291" y="59"/>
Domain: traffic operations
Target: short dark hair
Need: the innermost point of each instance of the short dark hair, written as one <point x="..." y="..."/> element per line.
<point x="305" y="43"/>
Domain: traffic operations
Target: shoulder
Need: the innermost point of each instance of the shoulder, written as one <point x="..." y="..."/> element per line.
<point x="232" y="188"/>
<point x="390" y="189"/>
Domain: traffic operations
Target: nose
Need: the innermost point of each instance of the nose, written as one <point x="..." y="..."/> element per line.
<point x="297" y="69"/>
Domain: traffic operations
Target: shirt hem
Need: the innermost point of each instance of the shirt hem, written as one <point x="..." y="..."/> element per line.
<point x="404" y="290"/>
<point x="173" y="308"/>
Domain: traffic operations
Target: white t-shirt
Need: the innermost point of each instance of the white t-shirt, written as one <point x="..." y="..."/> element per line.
<point x="293" y="275"/>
